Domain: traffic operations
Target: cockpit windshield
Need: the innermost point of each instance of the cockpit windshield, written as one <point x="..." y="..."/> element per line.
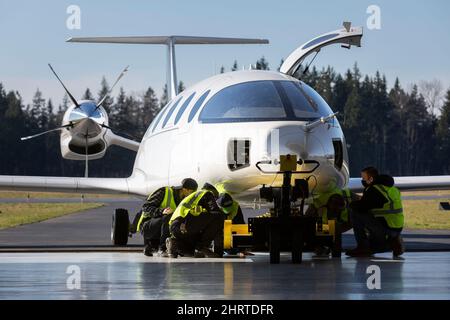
<point x="264" y="101"/>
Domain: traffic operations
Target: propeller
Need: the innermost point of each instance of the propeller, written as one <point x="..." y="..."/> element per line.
<point x="42" y="133"/>
<point x="67" y="91"/>
<point x="122" y="133"/>
<point x="110" y="90"/>
<point x="85" y="116"/>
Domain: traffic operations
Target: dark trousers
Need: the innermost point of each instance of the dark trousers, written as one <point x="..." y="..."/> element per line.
<point x="371" y="232"/>
<point x="197" y="232"/>
<point x="156" y="230"/>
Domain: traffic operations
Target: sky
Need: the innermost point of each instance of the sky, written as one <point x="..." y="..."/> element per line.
<point x="413" y="41"/>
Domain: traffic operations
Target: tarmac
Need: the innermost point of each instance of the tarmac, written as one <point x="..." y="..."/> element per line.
<point x="38" y="261"/>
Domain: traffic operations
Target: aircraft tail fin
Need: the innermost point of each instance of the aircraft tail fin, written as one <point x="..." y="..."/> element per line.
<point x="170" y="42"/>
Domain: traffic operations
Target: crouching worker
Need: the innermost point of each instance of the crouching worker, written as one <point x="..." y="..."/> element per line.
<point x="196" y="222"/>
<point x="153" y="222"/>
<point x="233" y="212"/>
<point x="378" y="217"/>
<point x="332" y="205"/>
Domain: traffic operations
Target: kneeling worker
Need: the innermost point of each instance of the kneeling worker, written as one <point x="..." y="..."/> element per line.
<point x="378" y="217"/>
<point x="233" y="212"/>
<point x="154" y="219"/>
<point x="334" y="205"/>
<point x="196" y="222"/>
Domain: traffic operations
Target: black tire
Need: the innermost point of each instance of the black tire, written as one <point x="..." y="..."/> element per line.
<point x="120" y="227"/>
<point x="297" y="246"/>
<point x="218" y="243"/>
<point x="274" y="244"/>
<point x="336" y="249"/>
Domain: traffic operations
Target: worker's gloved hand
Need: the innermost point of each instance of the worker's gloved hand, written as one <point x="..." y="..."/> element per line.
<point x="167" y="211"/>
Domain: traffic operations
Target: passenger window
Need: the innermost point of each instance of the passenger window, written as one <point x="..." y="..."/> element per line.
<point x="172" y="109"/>
<point x="197" y="105"/>
<point x="158" y="117"/>
<point x="183" y="108"/>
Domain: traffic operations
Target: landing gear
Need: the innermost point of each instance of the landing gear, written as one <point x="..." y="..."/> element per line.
<point x="336" y="247"/>
<point x="120" y="227"/>
<point x="286" y="227"/>
<point x="274" y="243"/>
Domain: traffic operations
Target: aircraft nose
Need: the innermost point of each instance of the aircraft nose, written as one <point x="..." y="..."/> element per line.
<point x="293" y="140"/>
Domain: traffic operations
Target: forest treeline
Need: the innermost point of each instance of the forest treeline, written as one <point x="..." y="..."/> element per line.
<point x="401" y="131"/>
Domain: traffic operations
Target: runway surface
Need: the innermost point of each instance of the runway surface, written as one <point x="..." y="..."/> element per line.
<point x="134" y="276"/>
<point x="79" y="244"/>
<point x="91" y="230"/>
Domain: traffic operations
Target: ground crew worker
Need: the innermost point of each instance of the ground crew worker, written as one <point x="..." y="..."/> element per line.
<point x="233" y="212"/>
<point x="196" y="222"/>
<point x="229" y="206"/>
<point x="334" y="205"/>
<point x="153" y="222"/>
<point x="378" y="216"/>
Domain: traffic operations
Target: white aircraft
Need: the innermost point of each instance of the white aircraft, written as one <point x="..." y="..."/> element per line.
<point x="223" y="128"/>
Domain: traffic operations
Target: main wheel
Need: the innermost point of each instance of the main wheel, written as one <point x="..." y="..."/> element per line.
<point x="336" y="249"/>
<point x="274" y="244"/>
<point x="120" y="227"/>
<point x="297" y="246"/>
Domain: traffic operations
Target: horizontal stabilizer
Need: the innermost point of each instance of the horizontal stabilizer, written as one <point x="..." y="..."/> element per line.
<point x="166" y="39"/>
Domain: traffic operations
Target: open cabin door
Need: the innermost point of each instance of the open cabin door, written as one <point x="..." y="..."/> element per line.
<point x="347" y="37"/>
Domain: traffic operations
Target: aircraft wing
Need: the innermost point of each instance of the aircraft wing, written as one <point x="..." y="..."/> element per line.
<point x="65" y="184"/>
<point x="410" y="183"/>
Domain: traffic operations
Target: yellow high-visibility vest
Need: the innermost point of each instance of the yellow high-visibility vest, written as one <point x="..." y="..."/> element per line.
<point x="168" y="202"/>
<point x="392" y="210"/>
<point x="321" y="201"/>
<point x="189" y="205"/>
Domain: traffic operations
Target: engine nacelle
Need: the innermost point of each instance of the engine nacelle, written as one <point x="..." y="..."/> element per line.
<point x="87" y="133"/>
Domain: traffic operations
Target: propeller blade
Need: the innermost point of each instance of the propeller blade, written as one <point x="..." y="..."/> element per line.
<point x="68" y="93"/>
<point x="119" y="132"/>
<point x="45" y="132"/>
<point x="110" y="90"/>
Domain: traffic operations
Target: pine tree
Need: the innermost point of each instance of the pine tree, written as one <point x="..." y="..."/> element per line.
<point x="104" y="89"/>
<point x="281" y="63"/>
<point x="88" y="95"/>
<point x="262" y="64"/>
<point x="38" y="110"/>
<point x="181" y="87"/>
<point x="443" y="135"/>
<point x="235" y="66"/>
<point x="164" y="98"/>
<point x="150" y="108"/>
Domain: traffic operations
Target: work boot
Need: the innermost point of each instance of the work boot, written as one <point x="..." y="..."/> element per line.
<point x="199" y="254"/>
<point x="321" y="251"/>
<point x="148" y="251"/>
<point x="359" y="252"/>
<point x="172" y="250"/>
<point x="398" y="248"/>
<point x="206" y="253"/>
<point x="163" y="253"/>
